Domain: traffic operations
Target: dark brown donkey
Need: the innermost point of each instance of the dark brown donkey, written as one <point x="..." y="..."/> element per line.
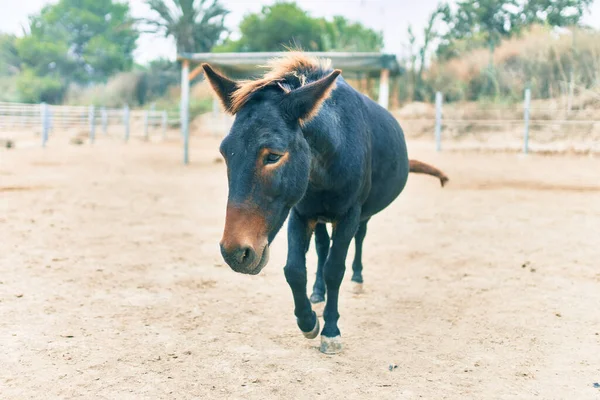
<point x="305" y="144"/>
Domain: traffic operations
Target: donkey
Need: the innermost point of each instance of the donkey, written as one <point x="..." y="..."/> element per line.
<point x="306" y="145"/>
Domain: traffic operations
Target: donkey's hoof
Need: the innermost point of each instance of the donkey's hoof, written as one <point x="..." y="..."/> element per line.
<point x="331" y="345"/>
<point x="317" y="298"/>
<point x="357" y="288"/>
<point x="315" y="331"/>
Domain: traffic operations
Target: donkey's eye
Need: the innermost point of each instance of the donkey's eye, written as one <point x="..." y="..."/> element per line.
<point x="272" y="158"/>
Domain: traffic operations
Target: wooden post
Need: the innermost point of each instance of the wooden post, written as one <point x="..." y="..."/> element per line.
<point x="369" y="86"/>
<point x="384" y="88"/>
<point x="438" y="121"/>
<point x="184" y="109"/>
<point x="526" y="108"/>
<point x="396" y="93"/>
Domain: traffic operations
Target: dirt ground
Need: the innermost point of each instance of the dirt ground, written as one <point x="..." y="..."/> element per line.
<point x="112" y="286"/>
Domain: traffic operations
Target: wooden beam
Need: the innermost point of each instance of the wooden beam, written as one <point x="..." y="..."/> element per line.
<point x="195" y="72"/>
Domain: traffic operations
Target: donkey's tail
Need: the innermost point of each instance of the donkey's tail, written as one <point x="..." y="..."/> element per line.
<point x="422" y="168"/>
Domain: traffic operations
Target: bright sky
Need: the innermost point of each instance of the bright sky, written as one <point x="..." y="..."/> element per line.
<point x="390" y="16"/>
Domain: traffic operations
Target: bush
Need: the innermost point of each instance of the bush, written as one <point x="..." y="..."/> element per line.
<point x="540" y="59"/>
<point x="121" y="89"/>
<point x="36" y="89"/>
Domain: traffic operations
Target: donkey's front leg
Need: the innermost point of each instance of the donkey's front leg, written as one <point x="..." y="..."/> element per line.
<point x="343" y="232"/>
<point x="322" y="245"/>
<point x="299" y="233"/>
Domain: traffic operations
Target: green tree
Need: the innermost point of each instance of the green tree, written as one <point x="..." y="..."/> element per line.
<point x="83" y="40"/>
<point x="9" y="66"/>
<point x="555" y="12"/>
<point x="33" y="88"/>
<point x="195" y="25"/>
<point x="278" y="26"/>
<point x="343" y="35"/>
<point x="9" y="57"/>
<point x="285" y="24"/>
<point x="490" y="20"/>
<point x="74" y="41"/>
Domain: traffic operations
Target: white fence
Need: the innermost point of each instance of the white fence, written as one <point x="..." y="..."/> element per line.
<point x="43" y="120"/>
<point x="537" y="129"/>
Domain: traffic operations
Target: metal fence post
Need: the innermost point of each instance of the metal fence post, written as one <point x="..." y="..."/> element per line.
<point x="146" y="118"/>
<point x="92" y="119"/>
<point x="45" y="122"/>
<point x="526" y="112"/>
<point x="164" y="123"/>
<point x="438" y="121"/>
<point x="126" y="121"/>
<point x="184" y="109"/>
<point x="104" y="116"/>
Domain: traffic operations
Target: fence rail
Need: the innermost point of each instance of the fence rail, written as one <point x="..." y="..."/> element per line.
<point x="526" y="123"/>
<point x="46" y="119"/>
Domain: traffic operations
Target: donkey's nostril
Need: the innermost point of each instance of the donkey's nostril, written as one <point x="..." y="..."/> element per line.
<point x="240" y="257"/>
<point x="246" y="254"/>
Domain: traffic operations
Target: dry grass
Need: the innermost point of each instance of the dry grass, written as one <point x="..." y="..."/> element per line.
<point x="539" y="58"/>
<point x="119" y="90"/>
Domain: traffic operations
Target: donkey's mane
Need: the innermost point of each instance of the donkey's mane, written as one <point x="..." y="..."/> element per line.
<point x="291" y="71"/>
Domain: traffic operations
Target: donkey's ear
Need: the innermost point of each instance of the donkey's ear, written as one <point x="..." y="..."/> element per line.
<point x="223" y="86"/>
<point x="303" y="104"/>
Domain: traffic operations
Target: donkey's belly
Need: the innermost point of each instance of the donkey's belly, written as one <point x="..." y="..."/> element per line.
<point x="388" y="175"/>
<point x="383" y="195"/>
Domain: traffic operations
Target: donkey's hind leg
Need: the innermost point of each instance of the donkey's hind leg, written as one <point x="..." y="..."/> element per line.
<point x="322" y="242"/>
<point x="357" y="278"/>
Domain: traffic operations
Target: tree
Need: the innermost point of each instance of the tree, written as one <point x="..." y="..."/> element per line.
<point x="195" y="25"/>
<point x="491" y="20"/>
<point x="73" y="41"/>
<point x="285" y="24"/>
<point x="555" y="12"/>
<point x="278" y="26"/>
<point x="81" y="40"/>
<point x="343" y="35"/>
<point x="9" y="57"/>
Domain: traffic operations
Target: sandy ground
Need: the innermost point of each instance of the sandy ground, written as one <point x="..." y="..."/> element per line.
<point x="112" y="286"/>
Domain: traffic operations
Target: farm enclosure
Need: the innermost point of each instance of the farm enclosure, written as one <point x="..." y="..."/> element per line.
<point x="111" y="283"/>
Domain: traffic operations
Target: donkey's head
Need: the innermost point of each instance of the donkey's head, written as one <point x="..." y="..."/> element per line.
<point x="268" y="160"/>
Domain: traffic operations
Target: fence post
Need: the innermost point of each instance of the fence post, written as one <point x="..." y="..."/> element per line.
<point x="164" y="123"/>
<point x="438" y="121"/>
<point x="104" y="116"/>
<point x="384" y="88"/>
<point x="526" y="112"/>
<point x="45" y="122"/>
<point x="184" y="109"/>
<point x="92" y="119"/>
<point x="126" y="121"/>
<point x="146" y="118"/>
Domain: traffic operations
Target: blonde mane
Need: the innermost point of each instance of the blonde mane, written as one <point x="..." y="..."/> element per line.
<point x="294" y="63"/>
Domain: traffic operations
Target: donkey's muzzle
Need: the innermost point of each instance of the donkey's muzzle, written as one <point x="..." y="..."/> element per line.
<point x="245" y="244"/>
<point x="240" y="258"/>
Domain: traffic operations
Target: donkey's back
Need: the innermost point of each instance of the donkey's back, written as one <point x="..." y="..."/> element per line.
<point x="373" y="145"/>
